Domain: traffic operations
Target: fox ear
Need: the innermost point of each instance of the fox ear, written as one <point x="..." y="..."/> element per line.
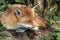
<point x="18" y="12"/>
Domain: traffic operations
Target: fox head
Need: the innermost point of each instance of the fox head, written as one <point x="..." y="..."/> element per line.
<point x="20" y="17"/>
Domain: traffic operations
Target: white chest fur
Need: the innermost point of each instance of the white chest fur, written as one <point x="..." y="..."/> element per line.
<point x="21" y="27"/>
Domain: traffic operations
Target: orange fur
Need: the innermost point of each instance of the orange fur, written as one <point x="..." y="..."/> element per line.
<point x="28" y="17"/>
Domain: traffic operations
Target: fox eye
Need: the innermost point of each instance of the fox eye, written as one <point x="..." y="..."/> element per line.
<point x="18" y="12"/>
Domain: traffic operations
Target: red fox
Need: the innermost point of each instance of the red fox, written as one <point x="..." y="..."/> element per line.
<point x="20" y="18"/>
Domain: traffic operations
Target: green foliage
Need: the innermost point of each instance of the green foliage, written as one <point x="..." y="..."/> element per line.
<point x="4" y="4"/>
<point x="2" y="7"/>
<point x="1" y="38"/>
<point x="52" y="10"/>
<point x="20" y="1"/>
<point x="2" y="1"/>
<point x="2" y="28"/>
<point x="58" y="25"/>
<point x="51" y="14"/>
<point x="55" y="35"/>
<point x="58" y="36"/>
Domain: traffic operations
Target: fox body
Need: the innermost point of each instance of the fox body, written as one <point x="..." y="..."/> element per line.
<point x="19" y="17"/>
